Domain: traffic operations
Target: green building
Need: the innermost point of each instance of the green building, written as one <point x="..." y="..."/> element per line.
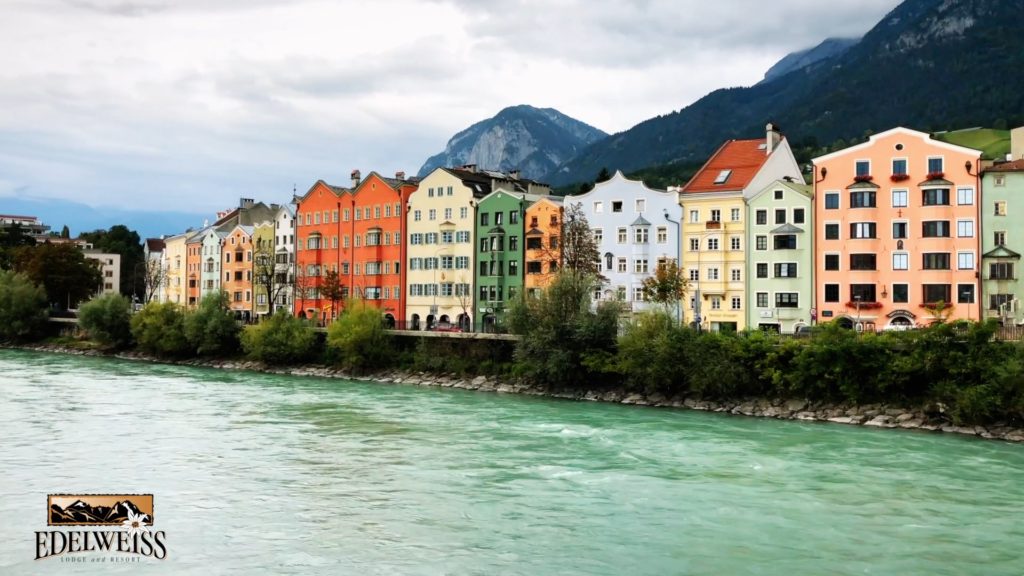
<point x="499" y="255"/>
<point x="780" y="257"/>
<point x="1002" y="241"/>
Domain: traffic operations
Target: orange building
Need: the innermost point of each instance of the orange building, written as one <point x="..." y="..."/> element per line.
<point x="543" y="226"/>
<point x="897" y="232"/>
<point x="318" y="227"/>
<point x="193" y="265"/>
<point x="236" y="266"/>
<point x="373" y="241"/>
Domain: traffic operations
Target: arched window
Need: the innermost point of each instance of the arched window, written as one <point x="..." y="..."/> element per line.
<point x="608" y="256"/>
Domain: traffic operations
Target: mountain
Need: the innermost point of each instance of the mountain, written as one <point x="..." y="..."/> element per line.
<point x="81" y="512"/>
<point x="83" y="218"/>
<point x="830" y="48"/>
<point x="532" y="140"/>
<point x="929" y="65"/>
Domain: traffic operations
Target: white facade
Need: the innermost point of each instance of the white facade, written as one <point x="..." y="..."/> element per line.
<point x="284" y="256"/>
<point x="636" y="227"/>
<point x="110" y="270"/>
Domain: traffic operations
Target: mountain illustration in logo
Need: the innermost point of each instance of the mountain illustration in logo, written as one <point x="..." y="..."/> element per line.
<point x="82" y="511"/>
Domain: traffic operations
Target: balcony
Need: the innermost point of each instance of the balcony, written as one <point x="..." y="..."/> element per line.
<point x="713" y="225"/>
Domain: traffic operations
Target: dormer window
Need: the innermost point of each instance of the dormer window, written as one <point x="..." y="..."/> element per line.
<point x="723" y="176"/>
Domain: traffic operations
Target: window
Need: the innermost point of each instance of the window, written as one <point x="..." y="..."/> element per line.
<point x="762" y="269"/>
<point x="513" y="217"/>
<point x="1000" y="238"/>
<point x="965" y="260"/>
<point x="1000" y="207"/>
<point x="936" y="197"/>
<point x="461" y="262"/>
<point x="900" y="261"/>
<point x="862" y="261"/>
<point x="778" y="194"/>
<point x="694" y="216"/>
<point x="598" y="207"/>
<point x="934" y="166"/>
<point x="734" y="243"/>
<point x="935" y="229"/>
<point x="997" y="301"/>
<point x="965" y="196"/>
<point x="712" y="243"/>
<point x="640" y="204"/>
<point x="431" y="238"/>
<point x="461" y="236"/>
<point x="694" y="244"/>
<point x="735" y="275"/>
<point x="798" y="216"/>
<point x="762" y="299"/>
<point x="640" y="235"/>
<point x="899" y="167"/>
<point x="716" y="215"/>
<point x="862" y="230"/>
<point x="862" y="199"/>
<point x="1000" y="271"/>
<point x="831" y="292"/>
<point x="761" y="242"/>
<point x="900" y="293"/>
<point x="965" y="293"/>
<point x="463" y="212"/>
<point x="638" y="293"/>
<point x="899" y="198"/>
<point x="736" y="303"/>
<point x="936" y="292"/>
<point x="863" y="168"/>
<point x="899" y="230"/>
<point x="761" y="217"/>
<point x="712" y="273"/>
<point x="621" y="235"/>
<point x="965" y="228"/>
<point x="831" y="231"/>
<point x="694" y="274"/>
<point x="831" y="201"/>
<point x="716" y="303"/>
<point x="417" y="215"/>
<point x="787" y="300"/>
<point x="498" y="218"/>
<point x="621" y="265"/>
<point x="616" y="206"/>
<point x="831" y="261"/>
<point x="936" y="260"/>
<point x="640" y="265"/>
<point x="785" y="241"/>
<point x="553" y="242"/>
<point x="734" y="214"/>
<point x="533" y="267"/>
<point x="862" y="292"/>
<point x="485" y="219"/>
<point x="723" y="176"/>
<point x="785" y="270"/>
<point x="662" y="235"/>
<point x="780" y="216"/>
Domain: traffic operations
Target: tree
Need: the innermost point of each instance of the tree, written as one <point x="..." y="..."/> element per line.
<point x="667" y="287"/>
<point x="359" y="337"/>
<point x="65" y="232"/>
<point x="22" y="307"/>
<point x="62" y="270"/>
<point x="280" y="339"/>
<point x="303" y="287"/>
<point x="332" y="289"/>
<point x="12" y="238"/>
<point x="604" y="175"/>
<point x="579" y="248"/>
<point x="107" y="319"/>
<point x="121" y="240"/>
<point x="155" y="276"/>
<point x="159" y="328"/>
<point x="211" y="329"/>
<point x="265" y="275"/>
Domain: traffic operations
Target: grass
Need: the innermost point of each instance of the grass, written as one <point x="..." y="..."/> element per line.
<point x="992" y="143"/>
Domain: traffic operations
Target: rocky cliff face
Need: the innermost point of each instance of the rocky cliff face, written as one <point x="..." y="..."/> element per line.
<point x="828" y="49"/>
<point x="532" y="140"/>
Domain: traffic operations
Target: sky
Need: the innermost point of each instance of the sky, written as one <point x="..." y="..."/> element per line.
<point x="188" y="105"/>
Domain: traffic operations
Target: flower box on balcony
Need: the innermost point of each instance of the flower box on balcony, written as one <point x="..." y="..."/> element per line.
<point x="899" y="177"/>
<point x="863" y="178"/>
<point x="935" y="176"/>
<point x="936" y="305"/>
<point x="712" y="225"/>
<point x="863" y="305"/>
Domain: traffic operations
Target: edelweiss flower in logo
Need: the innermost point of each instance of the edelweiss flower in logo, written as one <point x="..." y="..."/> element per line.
<point x="135" y="524"/>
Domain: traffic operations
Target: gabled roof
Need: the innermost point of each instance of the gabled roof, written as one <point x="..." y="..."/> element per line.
<point x="336" y="190"/>
<point x="731" y="168"/>
<point x="801" y="188"/>
<point x="1001" y="252"/>
<point x="154" y="245"/>
<point x="1012" y="166"/>
<point x="640" y="221"/>
<point x="787" y="228"/>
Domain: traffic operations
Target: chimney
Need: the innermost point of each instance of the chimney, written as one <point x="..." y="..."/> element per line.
<point x="469" y="167"/>
<point x="356" y="176"/>
<point x="773" y="138"/>
<point x="514" y="174"/>
<point x="246" y="203"/>
<point x="400" y="175"/>
<point x="1017" y="143"/>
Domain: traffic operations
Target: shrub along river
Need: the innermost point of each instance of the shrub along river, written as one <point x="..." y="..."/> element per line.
<point x="255" y="473"/>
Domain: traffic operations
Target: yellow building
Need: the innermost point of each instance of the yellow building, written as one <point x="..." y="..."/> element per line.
<point x="174" y="269"/>
<point x="713" y="228"/>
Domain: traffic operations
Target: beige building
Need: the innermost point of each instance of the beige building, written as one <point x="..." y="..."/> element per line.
<point x="174" y="269"/>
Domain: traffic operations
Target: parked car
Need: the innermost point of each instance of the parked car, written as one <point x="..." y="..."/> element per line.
<point x="447" y="327"/>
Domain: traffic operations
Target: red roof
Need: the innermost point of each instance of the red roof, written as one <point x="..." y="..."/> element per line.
<point x="743" y="158"/>
<point x="1012" y="166"/>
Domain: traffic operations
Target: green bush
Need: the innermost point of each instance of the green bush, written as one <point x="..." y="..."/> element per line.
<point x="359" y="338"/>
<point x="280" y="339"/>
<point x="107" y="319"/>
<point x="23" y="310"/>
<point x="212" y="329"/>
<point x="160" y="329"/>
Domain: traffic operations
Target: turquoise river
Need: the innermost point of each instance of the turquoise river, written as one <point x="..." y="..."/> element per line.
<point x="265" y="474"/>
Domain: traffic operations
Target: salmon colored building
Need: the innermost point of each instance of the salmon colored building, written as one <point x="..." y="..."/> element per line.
<point x="897" y="232"/>
<point x="543" y="227"/>
<point x="236" y="266"/>
<point x="193" y="268"/>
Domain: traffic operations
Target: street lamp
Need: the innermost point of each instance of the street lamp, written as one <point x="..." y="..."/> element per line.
<point x="857" y="326"/>
<point x="679" y="261"/>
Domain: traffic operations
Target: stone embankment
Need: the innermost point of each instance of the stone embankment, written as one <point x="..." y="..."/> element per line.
<point x="928" y="418"/>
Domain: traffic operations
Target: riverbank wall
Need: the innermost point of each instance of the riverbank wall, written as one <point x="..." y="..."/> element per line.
<point x="929" y="418"/>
